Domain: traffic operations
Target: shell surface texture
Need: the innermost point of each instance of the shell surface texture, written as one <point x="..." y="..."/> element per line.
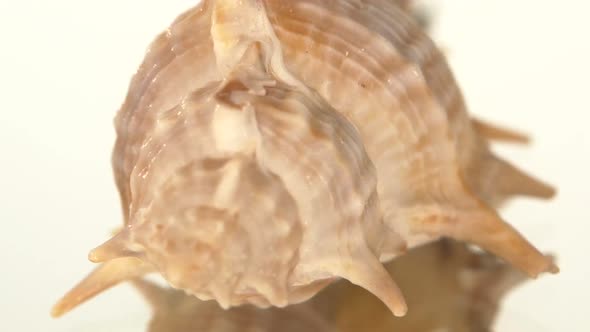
<point x="448" y="288"/>
<point x="268" y="148"/>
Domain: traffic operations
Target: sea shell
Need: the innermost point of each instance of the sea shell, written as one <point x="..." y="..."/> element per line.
<point x="448" y="287"/>
<point x="267" y="148"/>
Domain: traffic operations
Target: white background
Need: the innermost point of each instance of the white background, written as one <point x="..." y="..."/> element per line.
<point x="64" y="70"/>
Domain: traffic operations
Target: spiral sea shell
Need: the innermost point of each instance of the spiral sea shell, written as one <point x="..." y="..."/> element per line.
<point x="448" y="287"/>
<point x="267" y="148"/>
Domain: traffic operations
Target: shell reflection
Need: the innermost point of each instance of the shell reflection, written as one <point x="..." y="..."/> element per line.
<point x="448" y="286"/>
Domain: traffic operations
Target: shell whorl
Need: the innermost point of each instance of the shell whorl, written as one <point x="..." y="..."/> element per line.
<point x="267" y="148"/>
<point x="245" y="183"/>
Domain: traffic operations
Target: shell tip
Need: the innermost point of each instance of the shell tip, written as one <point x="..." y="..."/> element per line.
<point x="370" y="274"/>
<point x="553" y="268"/>
<point x="401" y="310"/>
<point x="58" y="310"/>
<point x="496" y="133"/>
<point x="114" y="248"/>
<point x="103" y="277"/>
<point x="513" y="181"/>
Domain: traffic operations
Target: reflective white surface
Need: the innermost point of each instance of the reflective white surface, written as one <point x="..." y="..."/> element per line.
<point x="64" y="70"/>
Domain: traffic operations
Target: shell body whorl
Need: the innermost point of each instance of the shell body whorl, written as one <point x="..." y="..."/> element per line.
<point x="267" y="148"/>
<point x="240" y="188"/>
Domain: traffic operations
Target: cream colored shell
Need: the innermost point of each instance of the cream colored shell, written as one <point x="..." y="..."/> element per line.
<point x="268" y="148"/>
<point x="448" y="287"/>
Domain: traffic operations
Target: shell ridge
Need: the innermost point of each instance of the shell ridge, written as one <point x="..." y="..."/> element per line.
<point x="267" y="148"/>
